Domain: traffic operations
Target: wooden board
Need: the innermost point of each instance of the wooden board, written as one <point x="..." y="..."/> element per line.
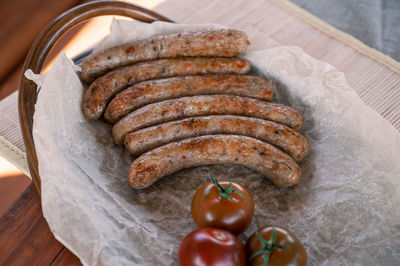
<point x="25" y="237"/>
<point x="21" y="22"/>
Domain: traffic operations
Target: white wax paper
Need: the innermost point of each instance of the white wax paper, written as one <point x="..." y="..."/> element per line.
<point x="345" y="210"/>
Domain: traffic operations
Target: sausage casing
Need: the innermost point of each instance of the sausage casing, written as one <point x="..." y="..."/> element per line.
<point x="278" y="135"/>
<point x="220" y="42"/>
<point x="158" y="90"/>
<point x="104" y="88"/>
<point x="203" y="105"/>
<point x="262" y="157"/>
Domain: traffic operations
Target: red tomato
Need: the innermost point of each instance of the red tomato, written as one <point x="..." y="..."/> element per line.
<point x="285" y="249"/>
<point x="223" y="205"/>
<point x="211" y="246"/>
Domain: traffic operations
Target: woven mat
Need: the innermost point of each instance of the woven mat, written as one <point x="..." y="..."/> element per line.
<point x="11" y="143"/>
<point x="374" y="76"/>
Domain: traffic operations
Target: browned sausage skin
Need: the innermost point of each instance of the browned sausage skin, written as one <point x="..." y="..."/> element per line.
<point x="215" y="149"/>
<point x="105" y="87"/>
<point x="283" y="137"/>
<point x="220" y="42"/>
<point x="158" y="90"/>
<point x="203" y="105"/>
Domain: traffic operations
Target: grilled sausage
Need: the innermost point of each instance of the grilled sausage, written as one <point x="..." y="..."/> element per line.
<point x="157" y="90"/>
<point x="221" y="42"/>
<point x="283" y="137"/>
<point x="215" y="149"/>
<point x="169" y="110"/>
<point x="104" y="88"/>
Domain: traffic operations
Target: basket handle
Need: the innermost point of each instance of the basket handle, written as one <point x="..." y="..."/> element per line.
<point x="40" y="49"/>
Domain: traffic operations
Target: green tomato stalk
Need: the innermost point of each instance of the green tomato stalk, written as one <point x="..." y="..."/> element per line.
<point x="267" y="246"/>
<point x="225" y="193"/>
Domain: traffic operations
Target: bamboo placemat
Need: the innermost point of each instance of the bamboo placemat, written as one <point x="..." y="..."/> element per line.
<point x="11" y="142"/>
<point x="373" y="75"/>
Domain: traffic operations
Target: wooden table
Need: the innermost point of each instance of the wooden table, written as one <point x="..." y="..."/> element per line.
<point x="24" y="234"/>
<point x="25" y="237"/>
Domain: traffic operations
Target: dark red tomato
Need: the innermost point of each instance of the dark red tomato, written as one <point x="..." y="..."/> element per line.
<point x="295" y="254"/>
<point x="211" y="246"/>
<point x="220" y="205"/>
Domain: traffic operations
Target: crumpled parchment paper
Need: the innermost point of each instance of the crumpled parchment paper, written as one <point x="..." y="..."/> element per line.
<point x="345" y="210"/>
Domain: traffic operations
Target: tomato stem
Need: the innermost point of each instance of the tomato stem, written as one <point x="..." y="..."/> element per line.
<point x="225" y="193"/>
<point x="267" y="246"/>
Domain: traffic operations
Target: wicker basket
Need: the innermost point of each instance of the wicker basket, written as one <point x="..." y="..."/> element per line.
<point x="40" y="49"/>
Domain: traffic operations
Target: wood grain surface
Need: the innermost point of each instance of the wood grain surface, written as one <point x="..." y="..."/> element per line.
<point x="21" y="21"/>
<point x="25" y="237"/>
